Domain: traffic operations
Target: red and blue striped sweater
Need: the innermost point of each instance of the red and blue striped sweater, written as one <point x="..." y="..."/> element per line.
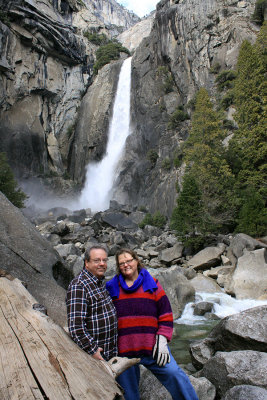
<point x="141" y="316"/>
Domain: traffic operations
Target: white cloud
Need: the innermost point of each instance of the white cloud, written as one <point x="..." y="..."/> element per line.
<point x="139" y="7"/>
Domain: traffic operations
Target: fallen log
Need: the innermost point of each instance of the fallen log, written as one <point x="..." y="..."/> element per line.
<point x="38" y="360"/>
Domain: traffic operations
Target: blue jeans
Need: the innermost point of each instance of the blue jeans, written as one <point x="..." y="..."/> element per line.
<point x="171" y="376"/>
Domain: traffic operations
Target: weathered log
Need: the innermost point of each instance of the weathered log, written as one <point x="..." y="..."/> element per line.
<point x="38" y="360"/>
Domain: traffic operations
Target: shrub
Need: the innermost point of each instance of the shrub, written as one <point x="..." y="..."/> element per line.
<point x="215" y="68"/>
<point x="178" y="157"/>
<point x="225" y="79"/>
<point x="167" y="79"/>
<point x="177" y="117"/>
<point x="152" y="156"/>
<point x="108" y="52"/>
<point x="227" y="100"/>
<point x="96" y="38"/>
<point x="8" y="184"/>
<point x="156" y="219"/>
<point x="166" y="163"/>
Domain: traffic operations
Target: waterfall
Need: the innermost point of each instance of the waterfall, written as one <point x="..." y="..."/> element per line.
<point x="100" y="176"/>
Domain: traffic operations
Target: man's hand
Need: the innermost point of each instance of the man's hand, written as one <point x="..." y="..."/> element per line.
<point x="160" y="351"/>
<point x="97" y="355"/>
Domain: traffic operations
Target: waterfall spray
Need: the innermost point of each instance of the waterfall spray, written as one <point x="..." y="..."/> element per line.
<point x="100" y="176"/>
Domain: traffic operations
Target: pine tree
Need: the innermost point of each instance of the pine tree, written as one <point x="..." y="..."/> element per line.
<point x="248" y="148"/>
<point x="205" y="154"/>
<point x="8" y="184"/>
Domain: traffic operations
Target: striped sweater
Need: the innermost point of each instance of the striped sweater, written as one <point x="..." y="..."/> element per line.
<point x="141" y="316"/>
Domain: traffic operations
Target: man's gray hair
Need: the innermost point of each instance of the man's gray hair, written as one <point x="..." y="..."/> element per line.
<point x="95" y="247"/>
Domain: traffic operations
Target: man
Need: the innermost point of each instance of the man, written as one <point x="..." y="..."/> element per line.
<point x="92" y="316"/>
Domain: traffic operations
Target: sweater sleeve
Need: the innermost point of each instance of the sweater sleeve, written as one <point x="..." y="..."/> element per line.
<point x="165" y="317"/>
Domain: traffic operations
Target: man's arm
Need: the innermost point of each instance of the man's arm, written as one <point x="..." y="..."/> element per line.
<point x="77" y="309"/>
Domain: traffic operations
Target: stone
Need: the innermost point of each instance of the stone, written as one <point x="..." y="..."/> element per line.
<point x="249" y="280"/>
<point x="248" y="392"/>
<point x="226" y="370"/>
<point x="241" y="331"/>
<point x="178" y="289"/>
<point x="27" y="255"/>
<point x="172" y="253"/>
<point x="202" y="283"/>
<point x="207" y="258"/>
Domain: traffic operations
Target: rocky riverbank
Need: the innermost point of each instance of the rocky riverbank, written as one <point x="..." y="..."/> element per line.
<point x="45" y="249"/>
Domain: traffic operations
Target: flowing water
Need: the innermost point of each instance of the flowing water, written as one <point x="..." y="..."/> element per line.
<point x="100" y="176"/>
<point x="190" y="327"/>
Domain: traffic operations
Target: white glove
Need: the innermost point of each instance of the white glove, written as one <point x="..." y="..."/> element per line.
<point x="160" y="351"/>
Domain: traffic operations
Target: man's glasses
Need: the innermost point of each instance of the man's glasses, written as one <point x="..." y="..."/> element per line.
<point x="99" y="260"/>
<point x="126" y="262"/>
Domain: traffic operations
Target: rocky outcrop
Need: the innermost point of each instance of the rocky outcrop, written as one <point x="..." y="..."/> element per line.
<point x="26" y="255"/>
<point x="132" y="37"/>
<point x="187" y="39"/>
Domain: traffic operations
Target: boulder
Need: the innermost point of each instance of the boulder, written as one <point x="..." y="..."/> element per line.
<point x="246" y="367"/>
<point x="171" y="253"/>
<point x="246" y="330"/>
<point x="151" y="389"/>
<point x="245" y="392"/>
<point x="249" y="280"/>
<point x="207" y="258"/>
<point x="178" y="289"/>
<point x="203" y="283"/>
<point x="27" y="255"/>
<point x="239" y="243"/>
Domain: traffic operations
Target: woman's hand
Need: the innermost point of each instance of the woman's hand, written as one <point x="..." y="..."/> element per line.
<point x="160" y="351"/>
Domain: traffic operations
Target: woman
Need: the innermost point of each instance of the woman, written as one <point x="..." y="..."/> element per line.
<point x="145" y="325"/>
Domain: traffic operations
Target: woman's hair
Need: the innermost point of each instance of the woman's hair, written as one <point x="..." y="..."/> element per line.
<point x="140" y="265"/>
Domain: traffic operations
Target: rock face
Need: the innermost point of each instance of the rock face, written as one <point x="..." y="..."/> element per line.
<point x="186" y="40"/>
<point x="132" y="37"/>
<point x="26" y="255"/>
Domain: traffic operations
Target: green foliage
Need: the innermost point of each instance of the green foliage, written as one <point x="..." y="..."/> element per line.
<point x="152" y="156"/>
<point x="8" y="184"/>
<point x="96" y="38"/>
<point x="177" y="117"/>
<point x="215" y="68"/>
<point x="178" y="157"/>
<point x="204" y="153"/>
<point x="108" y="52"/>
<point x="225" y="79"/>
<point x="166" y="164"/>
<point x="186" y="217"/>
<point x="252" y="218"/>
<point x="250" y="140"/>
<point x="167" y="79"/>
<point x="227" y="100"/>
<point x="231" y="181"/>
<point x="229" y="124"/>
<point x="156" y="219"/>
<point x="258" y="15"/>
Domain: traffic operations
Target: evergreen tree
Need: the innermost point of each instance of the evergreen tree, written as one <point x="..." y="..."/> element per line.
<point x="248" y="149"/>
<point x="205" y="154"/>
<point x="187" y="216"/>
<point x="252" y="218"/>
<point x="8" y="184"/>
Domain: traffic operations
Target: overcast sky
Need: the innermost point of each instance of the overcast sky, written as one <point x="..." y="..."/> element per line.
<point x="139" y="7"/>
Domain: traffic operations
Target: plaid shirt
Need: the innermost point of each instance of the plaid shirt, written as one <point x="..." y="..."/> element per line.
<point x="92" y="318"/>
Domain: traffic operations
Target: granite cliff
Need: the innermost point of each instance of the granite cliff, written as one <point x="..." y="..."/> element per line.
<point x="45" y="70"/>
<point x="55" y="114"/>
<point x="187" y="39"/>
